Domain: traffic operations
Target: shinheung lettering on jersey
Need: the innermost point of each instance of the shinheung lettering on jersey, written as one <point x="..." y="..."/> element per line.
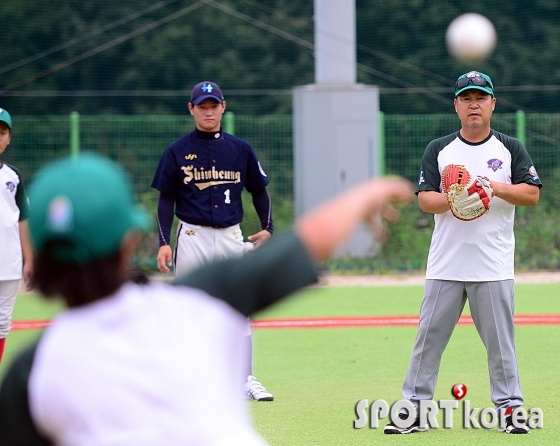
<point x="201" y="176"/>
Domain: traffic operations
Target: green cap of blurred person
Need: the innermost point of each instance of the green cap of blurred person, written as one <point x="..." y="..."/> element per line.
<point x="85" y="226"/>
<point x="86" y="201"/>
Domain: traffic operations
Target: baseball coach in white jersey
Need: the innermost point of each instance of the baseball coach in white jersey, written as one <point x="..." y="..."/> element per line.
<point x="473" y="259"/>
<point x="126" y="363"/>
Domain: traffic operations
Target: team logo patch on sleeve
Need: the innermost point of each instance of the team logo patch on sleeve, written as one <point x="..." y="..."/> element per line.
<point x="495" y="164"/>
<point x="10" y="186"/>
<point x="533" y="173"/>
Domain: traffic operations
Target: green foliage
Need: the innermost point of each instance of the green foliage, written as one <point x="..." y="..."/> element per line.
<point x="405" y="247"/>
<point x="409" y="239"/>
<point x="537" y="235"/>
<point x="145" y="258"/>
<point x="143" y="57"/>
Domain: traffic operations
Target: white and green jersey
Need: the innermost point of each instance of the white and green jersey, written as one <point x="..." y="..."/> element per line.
<point x="481" y="250"/>
<point x="13" y="208"/>
<point x="152" y="364"/>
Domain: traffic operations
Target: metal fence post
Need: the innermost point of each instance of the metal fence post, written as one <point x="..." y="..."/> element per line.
<point x="520" y="116"/>
<point x="229" y="123"/>
<point x="381" y="142"/>
<point x="74" y="133"/>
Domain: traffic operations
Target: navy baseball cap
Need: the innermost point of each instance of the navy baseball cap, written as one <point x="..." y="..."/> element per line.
<point x="206" y="90"/>
<point x="474" y="80"/>
<point x="5" y="117"/>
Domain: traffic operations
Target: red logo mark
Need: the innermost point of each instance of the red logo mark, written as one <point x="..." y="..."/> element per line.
<point x="459" y="391"/>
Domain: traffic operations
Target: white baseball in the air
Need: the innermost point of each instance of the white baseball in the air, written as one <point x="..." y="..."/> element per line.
<point x="471" y="37"/>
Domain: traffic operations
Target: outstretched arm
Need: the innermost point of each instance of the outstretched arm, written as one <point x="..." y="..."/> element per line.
<point x="326" y="228"/>
<point x="287" y="263"/>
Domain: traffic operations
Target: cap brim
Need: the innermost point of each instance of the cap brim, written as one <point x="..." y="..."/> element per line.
<point x="207" y="96"/>
<point x="9" y="124"/>
<point x="475" y="87"/>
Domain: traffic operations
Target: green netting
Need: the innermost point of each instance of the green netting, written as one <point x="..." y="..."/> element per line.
<point x="137" y="142"/>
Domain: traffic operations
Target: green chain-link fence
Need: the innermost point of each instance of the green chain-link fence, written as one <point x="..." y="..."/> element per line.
<point x="137" y="142"/>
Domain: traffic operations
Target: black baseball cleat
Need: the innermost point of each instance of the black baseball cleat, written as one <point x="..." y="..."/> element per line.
<point x="392" y="428"/>
<point x="520" y="427"/>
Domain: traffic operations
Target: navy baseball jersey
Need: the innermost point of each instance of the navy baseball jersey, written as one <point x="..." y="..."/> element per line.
<point x="207" y="171"/>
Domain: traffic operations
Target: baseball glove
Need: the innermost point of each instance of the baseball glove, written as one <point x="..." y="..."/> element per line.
<point x="468" y="196"/>
<point x="454" y="174"/>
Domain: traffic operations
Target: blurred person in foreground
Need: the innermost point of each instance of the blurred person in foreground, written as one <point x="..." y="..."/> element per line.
<point x="127" y="363"/>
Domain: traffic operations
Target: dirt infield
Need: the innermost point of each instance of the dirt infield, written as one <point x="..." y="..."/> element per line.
<point x="418" y="279"/>
<point x="388" y="280"/>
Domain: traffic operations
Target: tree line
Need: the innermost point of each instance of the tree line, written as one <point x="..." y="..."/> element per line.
<point x="144" y="56"/>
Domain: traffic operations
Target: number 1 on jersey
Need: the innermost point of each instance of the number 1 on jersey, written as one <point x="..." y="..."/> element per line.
<point x="227" y="200"/>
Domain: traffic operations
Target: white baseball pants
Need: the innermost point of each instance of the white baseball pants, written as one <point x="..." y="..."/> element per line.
<point x="196" y="245"/>
<point x="8" y="292"/>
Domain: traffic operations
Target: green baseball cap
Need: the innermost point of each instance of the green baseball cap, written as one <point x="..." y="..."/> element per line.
<point x="474" y="80"/>
<point x="86" y="200"/>
<point x="5" y="117"/>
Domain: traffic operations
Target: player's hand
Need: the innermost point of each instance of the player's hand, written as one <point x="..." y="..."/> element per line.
<point x="260" y="238"/>
<point x="385" y="192"/>
<point x="164" y="259"/>
<point x="28" y="275"/>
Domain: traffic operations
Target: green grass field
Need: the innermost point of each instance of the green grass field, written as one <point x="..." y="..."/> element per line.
<point x="318" y="375"/>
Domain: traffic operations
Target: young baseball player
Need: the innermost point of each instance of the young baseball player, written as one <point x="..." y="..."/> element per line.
<point x="17" y="256"/>
<point x="201" y="178"/>
<point x="474" y="259"/>
<point x="152" y="364"/>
